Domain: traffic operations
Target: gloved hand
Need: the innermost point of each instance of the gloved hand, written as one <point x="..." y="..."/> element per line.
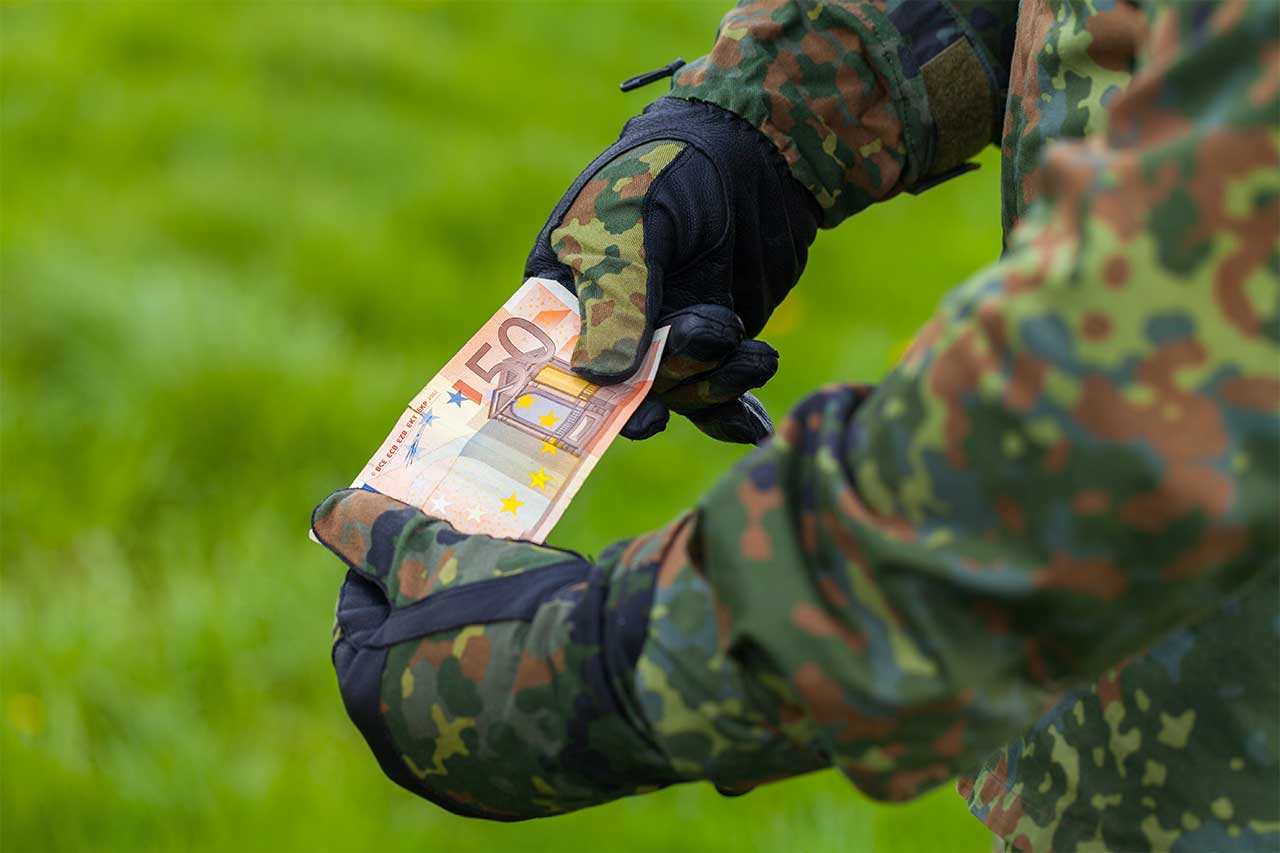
<point x="690" y="219"/>
<point x="507" y="680"/>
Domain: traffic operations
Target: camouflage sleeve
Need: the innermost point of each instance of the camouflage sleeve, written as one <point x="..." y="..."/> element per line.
<point x="864" y="98"/>
<point x="1077" y="455"/>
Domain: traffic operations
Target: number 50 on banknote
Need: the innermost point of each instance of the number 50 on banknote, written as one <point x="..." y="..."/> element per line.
<point x="500" y="440"/>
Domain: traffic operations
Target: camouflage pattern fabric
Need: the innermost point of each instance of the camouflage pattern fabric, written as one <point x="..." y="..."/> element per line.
<point x="1077" y="460"/>
<point x="1177" y="747"/>
<point x="1069" y="62"/>
<point x="602" y="240"/>
<point x="843" y="88"/>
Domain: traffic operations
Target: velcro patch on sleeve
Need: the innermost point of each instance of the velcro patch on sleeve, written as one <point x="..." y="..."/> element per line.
<point x="960" y="99"/>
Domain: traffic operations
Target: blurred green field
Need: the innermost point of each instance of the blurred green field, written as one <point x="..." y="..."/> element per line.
<point x="236" y="238"/>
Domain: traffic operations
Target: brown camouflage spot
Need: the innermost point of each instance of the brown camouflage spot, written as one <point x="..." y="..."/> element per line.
<point x="779" y="75"/>
<point x="950" y="743"/>
<point x="808" y="532"/>
<point x="637" y="185"/>
<point x="1185" y="429"/>
<point x="1265" y="89"/>
<point x="1108" y="688"/>
<point x="583" y="209"/>
<point x="1055" y="461"/>
<point x="569" y="251"/>
<point x="633" y="548"/>
<point x="1094" y="577"/>
<point x="412" y="579"/>
<point x="888" y="522"/>
<point x="908" y="784"/>
<point x="1095" y="326"/>
<point x="1010" y="513"/>
<point x="725" y="53"/>
<point x="827" y="706"/>
<point x="531" y="672"/>
<point x="346" y="523"/>
<point x="1126" y="207"/>
<point x="1185" y="489"/>
<point x="791" y="431"/>
<point x="756" y="544"/>
<point x="1115" y="272"/>
<point x="1116" y="35"/>
<point x="1226" y="14"/>
<point x="474" y="660"/>
<point x="677" y="558"/>
<point x="353" y="546"/>
<point x="1259" y="393"/>
<point x="1091" y="502"/>
<point x="600" y="310"/>
<point x="832" y="592"/>
<point x="954" y="374"/>
<point x="639" y="300"/>
<point x="1226" y="156"/>
<point x="994" y="784"/>
<point x="434" y="652"/>
<point x="1006" y="812"/>
<point x="818" y="622"/>
<point x="821" y="49"/>
<point x="1218" y="546"/>
<point x="695" y="74"/>
<point x="1025" y="383"/>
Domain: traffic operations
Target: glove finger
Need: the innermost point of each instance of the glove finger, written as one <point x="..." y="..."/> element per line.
<point x="602" y="239"/>
<point x="741" y="421"/>
<point x="751" y="365"/>
<point x="699" y="338"/>
<point x="649" y="419"/>
<point x="366" y="529"/>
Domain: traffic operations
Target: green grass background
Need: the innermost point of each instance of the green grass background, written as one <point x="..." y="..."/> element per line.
<point x="236" y="238"/>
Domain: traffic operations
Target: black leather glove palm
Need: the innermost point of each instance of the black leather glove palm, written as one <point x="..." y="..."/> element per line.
<point x="691" y="219"/>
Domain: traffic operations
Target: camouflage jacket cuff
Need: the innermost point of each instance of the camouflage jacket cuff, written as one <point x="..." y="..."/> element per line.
<point x="488" y="676"/>
<point x="863" y="100"/>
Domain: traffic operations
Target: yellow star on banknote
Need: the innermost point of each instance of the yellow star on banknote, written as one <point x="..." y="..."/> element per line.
<point x="524" y="402"/>
<point x="548" y="420"/>
<point x="538" y="479"/>
<point x="511" y="504"/>
<point x="548" y="447"/>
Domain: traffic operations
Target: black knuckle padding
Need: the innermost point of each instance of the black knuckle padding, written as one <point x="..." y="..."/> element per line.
<point x="649" y="419"/>
<point x="703" y="332"/>
<point x="741" y="421"/>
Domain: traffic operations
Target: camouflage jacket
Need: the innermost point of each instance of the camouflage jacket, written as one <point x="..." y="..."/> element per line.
<point x="1077" y="461"/>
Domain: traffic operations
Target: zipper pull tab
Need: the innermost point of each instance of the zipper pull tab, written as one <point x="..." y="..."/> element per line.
<point x="650" y="76"/>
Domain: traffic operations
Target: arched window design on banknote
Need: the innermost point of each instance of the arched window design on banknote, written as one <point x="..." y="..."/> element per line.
<point x="549" y="401"/>
<point x="537" y="393"/>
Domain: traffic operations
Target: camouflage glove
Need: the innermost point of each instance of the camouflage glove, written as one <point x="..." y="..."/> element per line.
<point x="691" y="219"/>
<point x="508" y="680"/>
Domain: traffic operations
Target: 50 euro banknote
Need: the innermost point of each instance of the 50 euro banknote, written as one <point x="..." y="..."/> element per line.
<point x="502" y="438"/>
